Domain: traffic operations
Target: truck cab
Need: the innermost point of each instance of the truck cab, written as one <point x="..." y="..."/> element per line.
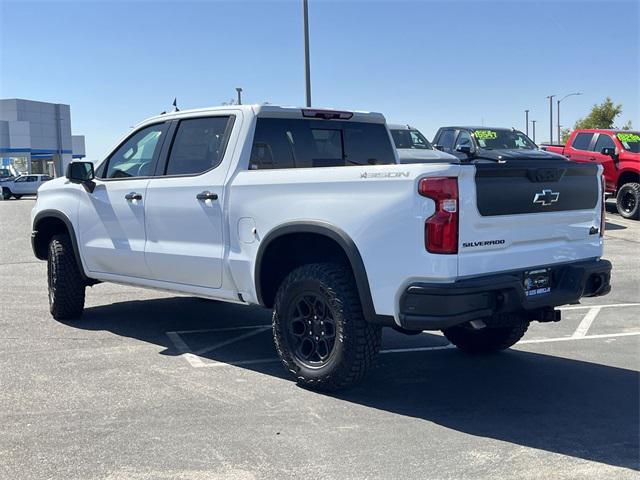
<point x="618" y="151"/>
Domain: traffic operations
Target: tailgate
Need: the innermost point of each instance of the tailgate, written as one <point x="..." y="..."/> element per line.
<point x="527" y="213"/>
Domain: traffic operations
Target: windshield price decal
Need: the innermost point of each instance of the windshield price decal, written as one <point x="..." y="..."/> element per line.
<point x="628" y="137"/>
<point x="485" y="134"/>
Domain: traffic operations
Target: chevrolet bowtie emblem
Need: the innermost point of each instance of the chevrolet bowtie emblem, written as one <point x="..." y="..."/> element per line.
<point x="546" y="197"/>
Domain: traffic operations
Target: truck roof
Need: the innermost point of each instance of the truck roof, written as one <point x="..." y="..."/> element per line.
<point x="400" y="126"/>
<point x="467" y="127"/>
<point x="274" y="111"/>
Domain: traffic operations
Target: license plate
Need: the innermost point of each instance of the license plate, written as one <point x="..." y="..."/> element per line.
<point x="537" y="282"/>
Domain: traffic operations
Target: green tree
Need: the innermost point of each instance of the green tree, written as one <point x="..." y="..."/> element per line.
<point x="602" y="116"/>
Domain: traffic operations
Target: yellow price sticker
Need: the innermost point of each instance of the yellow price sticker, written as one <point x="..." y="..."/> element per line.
<point x="485" y="134"/>
<point x="628" y="137"/>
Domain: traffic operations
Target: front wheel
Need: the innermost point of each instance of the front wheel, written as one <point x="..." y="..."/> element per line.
<point x="66" y="285"/>
<point x="17" y="197"/>
<point x="487" y="339"/>
<point x="319" y="329"/>
<point x="628" y="200"/>
<point x="6" y="194"/>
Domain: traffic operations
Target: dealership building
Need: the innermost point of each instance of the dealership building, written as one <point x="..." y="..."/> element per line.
<point x="35" y="137"/>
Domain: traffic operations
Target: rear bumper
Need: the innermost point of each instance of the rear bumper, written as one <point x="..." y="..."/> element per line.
<point x="433" y="306"/>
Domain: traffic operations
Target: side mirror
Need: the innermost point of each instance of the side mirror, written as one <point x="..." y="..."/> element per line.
<point x="81" y="172"/>
<point x="466" y="149"/>
<point x="438" y="147"/>
<point x="608" y="151"/>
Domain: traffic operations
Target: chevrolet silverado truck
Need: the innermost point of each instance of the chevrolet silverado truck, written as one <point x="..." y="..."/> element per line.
<point x="308" y="213"/>
<point x="618" y="151"/>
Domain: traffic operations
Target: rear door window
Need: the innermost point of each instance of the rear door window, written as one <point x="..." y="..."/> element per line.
<point x="291" y="143"/>
<point x="582" y="141"/>
<point x="446" y="139"/>
<point x="198" y="145"/>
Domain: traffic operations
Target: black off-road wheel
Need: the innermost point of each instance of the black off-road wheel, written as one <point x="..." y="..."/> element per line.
<point x="628" y="200"/>
<point x="319" y="329"/>
<point x="488" y="339"/>
<point x="66" y="285"/>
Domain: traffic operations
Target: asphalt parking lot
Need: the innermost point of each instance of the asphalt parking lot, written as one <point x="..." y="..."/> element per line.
<point x="151" y="385"/>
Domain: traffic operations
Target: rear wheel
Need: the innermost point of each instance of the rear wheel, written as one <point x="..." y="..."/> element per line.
<point x="6" y="194"/>
<point x="487" y="339"/>
<point x="66" y="285"/>
<point x="319" y="329"/>
<point x="17" y="197"/>
<point x="628" y="200"/>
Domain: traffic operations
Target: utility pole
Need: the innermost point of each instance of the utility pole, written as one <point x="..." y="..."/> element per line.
<point x="307" y="68"/>
<point x="558" y="112"/>
<point x="550" y="97"/>
<point x="526" y="121"/>
<point x="239" y="90"/>
<point x="533" y="122"/>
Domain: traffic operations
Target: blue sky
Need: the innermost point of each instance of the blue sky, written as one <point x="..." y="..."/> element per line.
<point x="425" y="63"/>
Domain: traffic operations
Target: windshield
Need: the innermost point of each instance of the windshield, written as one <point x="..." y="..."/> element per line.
<point x="406" y="138"/>
<point x="630" y="141"/>
<point x="503" y="140"/>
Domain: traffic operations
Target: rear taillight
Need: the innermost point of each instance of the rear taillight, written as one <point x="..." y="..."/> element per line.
<point x="602" y="207"/>
<point x="441" y="228"/>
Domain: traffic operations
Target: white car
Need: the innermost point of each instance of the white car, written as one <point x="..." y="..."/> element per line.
<point x="23" y="185"/>
<point x="307" y="212"/>
<point x="413" y="147"/>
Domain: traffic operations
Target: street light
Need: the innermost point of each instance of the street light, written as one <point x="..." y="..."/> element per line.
<point x="239" y="90"/>
<point x="550" y="97"/>
<point x="533" y="122"/>
<point x="558" y="105"/>
<point x="526" y="121"/>
<point x="307" y="68"/>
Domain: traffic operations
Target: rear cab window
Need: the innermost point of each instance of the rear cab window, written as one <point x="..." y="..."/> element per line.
<point x="582" y="141"/>
<point x="311" y="143"/>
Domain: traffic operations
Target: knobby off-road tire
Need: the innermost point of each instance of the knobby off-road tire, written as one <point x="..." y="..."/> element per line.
<point x="628" y="200"/>
<point x="298" y="320"/>
<point x="488" y="339"/>
<point x="66" y="285"/>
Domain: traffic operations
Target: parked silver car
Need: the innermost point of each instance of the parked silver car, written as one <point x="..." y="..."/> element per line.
<point x="413" y="147"/>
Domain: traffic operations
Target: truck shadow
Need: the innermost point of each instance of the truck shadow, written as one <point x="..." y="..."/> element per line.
<point x="556" y="404"/>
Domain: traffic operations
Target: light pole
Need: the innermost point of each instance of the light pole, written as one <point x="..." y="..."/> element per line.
<point x="550" y="97"/>
<point x="526" y="121"/>
<point x="558" y="108"/>
<point x="307" y="68"/>
<point x="533" y="122"/>
<point x="239" y="90"/>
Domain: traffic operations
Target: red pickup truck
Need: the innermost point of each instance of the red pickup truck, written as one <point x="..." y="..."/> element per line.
<point x="619" y="153"/>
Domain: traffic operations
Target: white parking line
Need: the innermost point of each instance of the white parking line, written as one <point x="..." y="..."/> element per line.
<point x="197" y="362"/>
<point x="586" y="322"/>
<point x="583" y="307"/>
<point x="184" y="350"/>
<point x="215" y="346"/>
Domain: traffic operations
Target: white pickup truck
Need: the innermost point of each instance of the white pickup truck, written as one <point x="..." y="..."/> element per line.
<point x="308" y="213"/>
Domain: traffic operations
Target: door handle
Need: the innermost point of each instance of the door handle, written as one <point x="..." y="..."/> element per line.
<point x="592" y="159"/>
<point x="207" y="195"/>
<point x="133" y="196"/>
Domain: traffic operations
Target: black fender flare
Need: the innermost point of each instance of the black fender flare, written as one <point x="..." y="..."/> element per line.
<point x="348" y="246"/>
<point x="72" y="233"/>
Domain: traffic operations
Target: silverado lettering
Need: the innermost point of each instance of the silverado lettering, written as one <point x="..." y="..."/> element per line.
<point x="483" y="243"/>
